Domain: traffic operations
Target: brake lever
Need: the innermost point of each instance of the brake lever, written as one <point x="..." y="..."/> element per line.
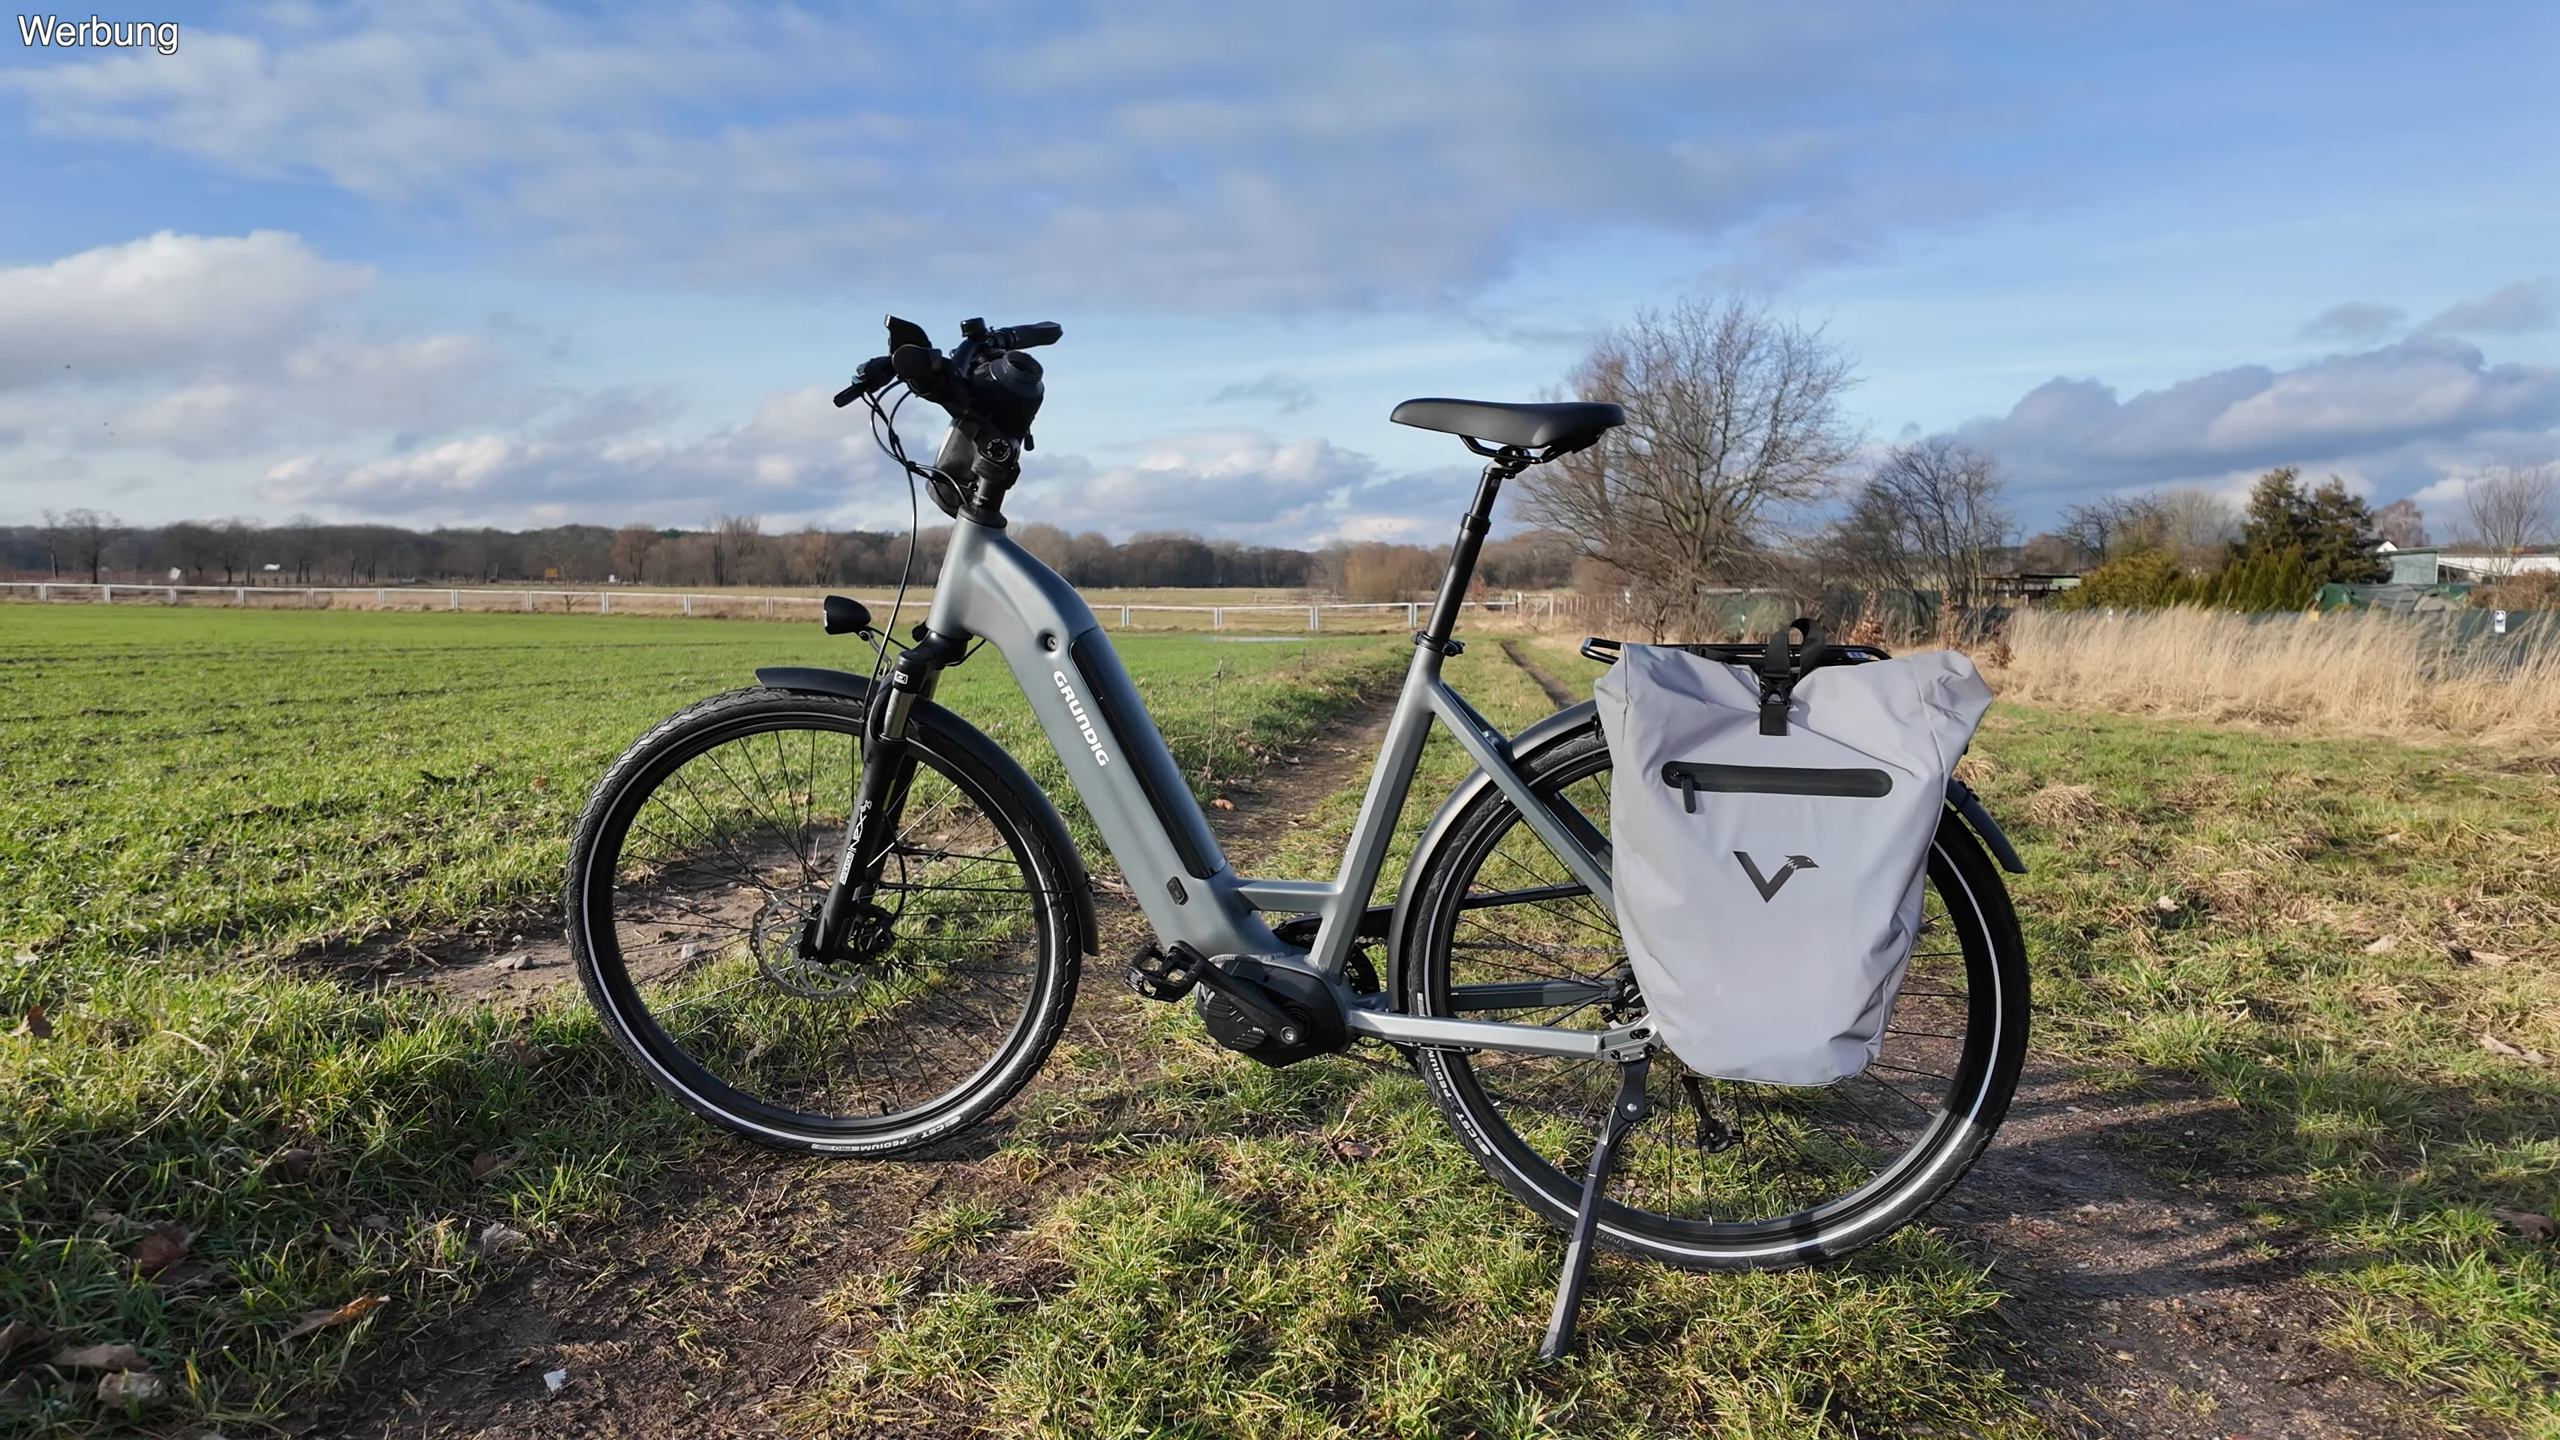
<point x="875" y="372"/>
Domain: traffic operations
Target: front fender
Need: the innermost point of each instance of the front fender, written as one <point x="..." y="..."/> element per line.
<point x="1041" y="815"/>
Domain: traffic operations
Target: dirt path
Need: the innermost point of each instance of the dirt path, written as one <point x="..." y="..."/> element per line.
<point x="2150" y="1306"/>
<point x="1559" y="694"/>
<point x="705" y="1308"/>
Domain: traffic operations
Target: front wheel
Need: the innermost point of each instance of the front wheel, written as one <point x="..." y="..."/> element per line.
<point x="710" y="844"/>
<point x="1726" y="1175"/>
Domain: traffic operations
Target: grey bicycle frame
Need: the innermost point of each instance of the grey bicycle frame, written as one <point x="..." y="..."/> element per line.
<point x="992" y="588"/>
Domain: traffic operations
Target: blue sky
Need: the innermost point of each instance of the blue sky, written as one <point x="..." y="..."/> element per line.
<point x="515" y="264"/>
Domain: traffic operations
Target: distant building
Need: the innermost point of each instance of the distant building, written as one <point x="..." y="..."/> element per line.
<point x="2464" y="564"/>
<point x="2028" y="587"/>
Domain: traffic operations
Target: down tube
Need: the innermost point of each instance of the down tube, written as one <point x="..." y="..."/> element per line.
<point x="1093" y="716"/>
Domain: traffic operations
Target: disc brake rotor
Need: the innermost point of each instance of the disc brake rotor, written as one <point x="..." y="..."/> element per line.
<point x="776" y="935"/>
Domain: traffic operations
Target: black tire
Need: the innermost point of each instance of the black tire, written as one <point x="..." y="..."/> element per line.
<point x="1816" y="1172"/>
<point x="710" y="840"/>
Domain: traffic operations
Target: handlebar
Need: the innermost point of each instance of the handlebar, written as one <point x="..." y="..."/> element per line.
<point x="1025" y="337"/>
<point x="987" y="385"/>
<point x="991" y="390"/>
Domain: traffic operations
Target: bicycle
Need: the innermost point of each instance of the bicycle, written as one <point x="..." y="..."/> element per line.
<point x="830" y="915"/>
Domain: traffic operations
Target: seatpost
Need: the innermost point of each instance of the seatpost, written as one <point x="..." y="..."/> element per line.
<point x="1462" y="556"/>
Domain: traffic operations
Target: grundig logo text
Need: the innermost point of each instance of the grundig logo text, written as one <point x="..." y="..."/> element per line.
<point x="1075" y="707"/>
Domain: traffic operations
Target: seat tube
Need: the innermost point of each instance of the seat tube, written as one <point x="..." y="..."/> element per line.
<point x="1462" y="556"/>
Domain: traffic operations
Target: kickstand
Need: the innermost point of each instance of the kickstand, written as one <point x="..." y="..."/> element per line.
<point x="1624" y="1112"/>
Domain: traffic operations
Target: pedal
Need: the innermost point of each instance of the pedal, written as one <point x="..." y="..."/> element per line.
<point x="1157" y="974"/>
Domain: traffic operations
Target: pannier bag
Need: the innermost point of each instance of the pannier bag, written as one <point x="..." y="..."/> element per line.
<point x="1771" y="823"/>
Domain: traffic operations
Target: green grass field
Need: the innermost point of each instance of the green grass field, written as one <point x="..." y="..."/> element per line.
<point x="2358" y="942"/>
<point x="2353" y="942"/>
<point x="198" y="797"/>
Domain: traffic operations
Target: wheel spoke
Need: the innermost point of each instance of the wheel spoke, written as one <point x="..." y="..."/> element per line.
<point x="1505" y="920"/>
<point x="723" y="861"/>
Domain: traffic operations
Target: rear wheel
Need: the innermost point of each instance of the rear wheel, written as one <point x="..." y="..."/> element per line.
<point x="711" y="842"/>
<point x="1726" y="1174"/>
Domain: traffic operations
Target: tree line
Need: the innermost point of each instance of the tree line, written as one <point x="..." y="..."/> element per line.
<point x="93" y="546"/>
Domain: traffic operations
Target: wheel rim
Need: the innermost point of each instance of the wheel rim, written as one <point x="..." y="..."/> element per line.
<point x="1809" y="1165"/>
<point x="703" y="875"/>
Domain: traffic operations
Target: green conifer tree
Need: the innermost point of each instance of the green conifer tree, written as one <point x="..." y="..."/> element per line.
<point x="2329" y="530"/>
<point x="2343" y="549"/>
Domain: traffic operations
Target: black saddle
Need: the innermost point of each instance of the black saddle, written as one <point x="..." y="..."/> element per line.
<point x="1571" y="424"/>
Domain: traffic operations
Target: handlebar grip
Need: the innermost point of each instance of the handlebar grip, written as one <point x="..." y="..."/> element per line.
<point x="1025" y="337"/>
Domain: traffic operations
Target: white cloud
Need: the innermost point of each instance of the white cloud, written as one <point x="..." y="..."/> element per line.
<point x="1158" y="153"/>
<point x="164" y="305"/>
<point x="797" y="458"/>
<point x="1286" y="393"/>
<point x="2355" y="320"/>
<point x="2517" y="309"/>
<point x="1226" y="482"/>
<point x="205" y="347"/>
<point x="2396" y="417"/>
<point x="256" y="349"/>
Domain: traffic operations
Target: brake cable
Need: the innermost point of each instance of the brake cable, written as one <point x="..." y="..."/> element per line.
<point x="895" y="449"/>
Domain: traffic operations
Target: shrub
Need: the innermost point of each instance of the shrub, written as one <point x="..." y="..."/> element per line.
<point x="2533" y="590"/>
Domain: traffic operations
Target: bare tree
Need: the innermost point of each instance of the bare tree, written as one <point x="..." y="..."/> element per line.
<point x="2199" y="526"/>
<point x="734" y="542"/>
<point x="1733" y="419"/>
<point x="57" y="541"/>
<point x="300" y="538"/>
<point x="2514" y="508"/>
<point x="2194" y="525"/>
<point x="1929" y="518"/>
<point x="233" y="540"/>
<point x="81" y="537"/>
<point x="631" y="547"/>
<point x="2403" y="524"/>
<point x="2114" y="526"/>
<point x="188" y="545"/>
<point x="812" y="556"/>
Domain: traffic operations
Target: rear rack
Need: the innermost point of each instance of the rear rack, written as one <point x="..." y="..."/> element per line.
<point x="1607" y="652"/>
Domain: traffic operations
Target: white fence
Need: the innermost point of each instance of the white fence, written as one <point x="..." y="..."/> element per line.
<point x="702" y="605"/>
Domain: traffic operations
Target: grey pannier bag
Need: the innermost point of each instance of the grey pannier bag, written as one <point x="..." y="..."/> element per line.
<point x="1771" y="827"/>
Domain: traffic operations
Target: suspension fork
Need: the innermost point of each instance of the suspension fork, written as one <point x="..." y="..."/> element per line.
<point x="879" y="803"/>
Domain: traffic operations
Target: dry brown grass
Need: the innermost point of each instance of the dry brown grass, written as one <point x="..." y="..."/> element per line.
<point x="2364" y="675"/>
<point x="2063" y="808"/>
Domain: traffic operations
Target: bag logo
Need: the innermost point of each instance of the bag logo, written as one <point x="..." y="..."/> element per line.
<point x="1769" y="886"/>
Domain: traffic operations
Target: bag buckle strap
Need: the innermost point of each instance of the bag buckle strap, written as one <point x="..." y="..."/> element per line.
<point x="1782" y="664"/>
